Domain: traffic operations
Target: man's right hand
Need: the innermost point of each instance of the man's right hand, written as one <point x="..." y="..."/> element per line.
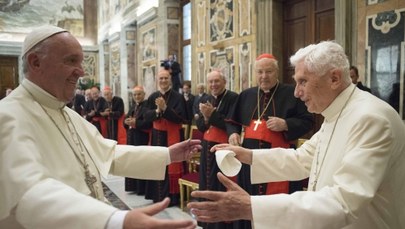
<point x="143" y="218"/>
<point x="242" y="154"/>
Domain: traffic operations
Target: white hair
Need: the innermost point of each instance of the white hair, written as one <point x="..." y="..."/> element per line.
<point x="322" y="57"/>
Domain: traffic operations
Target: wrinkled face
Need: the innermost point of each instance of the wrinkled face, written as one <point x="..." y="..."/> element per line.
<point x="266" y="73"/>
<point x="354" y="76"/>
<point x="216" y="83"/>
<point x="138" y="95"/>
<point x="108" y="95"/>
<point x="58" y="66"/>
<point x="313" y="90"/>
<point x="95" y="93"/>
<point x="164" y="80"/>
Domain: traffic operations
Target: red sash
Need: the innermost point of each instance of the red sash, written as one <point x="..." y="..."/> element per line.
<point x="122" y="133"/>
<point x="175" y="169"/>
<point x="277" y="140"/>
<point x="103" y="125"/>
<point x="215" y="134"/>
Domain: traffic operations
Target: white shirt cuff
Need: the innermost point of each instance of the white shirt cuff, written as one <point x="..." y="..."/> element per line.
<point x="116" y="220"/>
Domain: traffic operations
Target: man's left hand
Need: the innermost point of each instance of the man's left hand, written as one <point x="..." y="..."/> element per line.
<point x="276" y="124"/>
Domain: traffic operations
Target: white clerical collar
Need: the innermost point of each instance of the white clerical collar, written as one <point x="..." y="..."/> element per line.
<point x="332" y="111"/>
<point x="164" y="92"/>
<point x="41" y="96"/>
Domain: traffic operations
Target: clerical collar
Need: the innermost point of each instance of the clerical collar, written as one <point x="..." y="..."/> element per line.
<point x="220" y="95"/>
<point x="41" y="96"/>
<point x="163" y="93"/>
<point x="332" y="111"/>
<point x="271" y="89"/>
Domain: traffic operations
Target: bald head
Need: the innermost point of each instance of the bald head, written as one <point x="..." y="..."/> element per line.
<point x="138" y="94"/>
<point x="216" y="82"/>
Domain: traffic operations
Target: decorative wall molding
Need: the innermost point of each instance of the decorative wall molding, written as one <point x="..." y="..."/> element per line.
<point x="221" y="20"/>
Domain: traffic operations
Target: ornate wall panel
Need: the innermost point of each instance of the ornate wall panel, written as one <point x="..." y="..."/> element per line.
<point x="245" y="65"/>
<point x="385" y="58"/>
<point x="149" y="80"/>
<point x="245" y="18"/>
<point x="201" y="22"/>
<point x="173" y="39"/>
<point x="201" y="70"/>
<point x="148" y="44"/>
<point x="224" y="61"/>
<point x="221" y="20"/>
<point x="90" y="66"/>
<point x="132" y="59"/>
<point x="115" y="67"/>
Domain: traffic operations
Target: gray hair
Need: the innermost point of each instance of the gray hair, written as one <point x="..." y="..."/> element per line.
<point x="41" y="49"/>
<point x="219" y="71"/>
<point x="322" y="57"/>
<point x="201" y="84"/>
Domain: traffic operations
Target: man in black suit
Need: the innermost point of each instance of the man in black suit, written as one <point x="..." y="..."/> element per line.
<point x="354" y="74"/>
<point x="175" y="71"/>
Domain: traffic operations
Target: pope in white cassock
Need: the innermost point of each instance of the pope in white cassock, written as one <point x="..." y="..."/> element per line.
<point x="355" y="162"/>
<point x="51" y="159"/>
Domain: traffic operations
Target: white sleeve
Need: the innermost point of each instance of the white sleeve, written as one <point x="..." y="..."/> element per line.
<point x="53" y="204"/>
<point x="141" y="162"/>
<point x="315" y="210"/>
<point x="116" y="221"/>
<point x="278" y="164"/>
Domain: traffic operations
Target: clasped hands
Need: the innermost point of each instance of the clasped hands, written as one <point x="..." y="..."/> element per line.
<point x="160" y="104"/>
<point x="131" y="121"/>
<point x="206" y="109"/>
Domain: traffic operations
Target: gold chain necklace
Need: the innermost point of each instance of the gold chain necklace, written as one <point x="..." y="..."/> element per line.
<point x="258" y="121"/>
<point x="258" y="101"/>
<point x="89" y="179"/>
<point x="318" y="170"/>
<point x="220" y="101"/>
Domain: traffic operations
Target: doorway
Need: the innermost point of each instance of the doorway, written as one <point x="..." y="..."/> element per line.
<point x="305" y="22"/>
<point x="8" y="74"/>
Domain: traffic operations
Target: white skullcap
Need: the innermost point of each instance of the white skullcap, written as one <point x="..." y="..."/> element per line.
<point x="39" y="34"/>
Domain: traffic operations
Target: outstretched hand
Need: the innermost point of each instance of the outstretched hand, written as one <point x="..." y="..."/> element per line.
<point x="233" y="204"/>
<point x="242" y="154"/>
<point x="184" y="150"/>
<point x="143" y="218"/>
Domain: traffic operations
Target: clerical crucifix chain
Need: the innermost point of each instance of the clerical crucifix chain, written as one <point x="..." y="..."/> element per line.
<point x="259" y="116"/>
<point x="90" y="179"/>
<point x="257" y="123"/>
<point x="319" y="163"/>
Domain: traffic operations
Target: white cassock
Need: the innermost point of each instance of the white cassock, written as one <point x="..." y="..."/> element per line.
<point x="41" y="180"/>
<point x="361" y="182"/>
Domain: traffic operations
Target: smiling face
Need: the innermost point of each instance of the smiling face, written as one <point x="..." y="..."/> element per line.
<point x="138" y="95"/>
<point x="216" y="83"/>
<point x="164" y="80"/>
<point x="57" y="65"/>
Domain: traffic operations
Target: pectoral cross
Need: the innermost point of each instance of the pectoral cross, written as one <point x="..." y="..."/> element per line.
<point x="257" y="123"/>
<point x="90" y="180"/>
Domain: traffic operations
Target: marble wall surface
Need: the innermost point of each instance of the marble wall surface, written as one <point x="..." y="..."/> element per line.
<point x="381" y="36"/>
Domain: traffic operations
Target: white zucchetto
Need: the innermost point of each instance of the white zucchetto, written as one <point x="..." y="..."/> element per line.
<point x="39" y="34"/>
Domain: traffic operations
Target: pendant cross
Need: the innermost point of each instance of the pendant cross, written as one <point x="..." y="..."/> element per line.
<point x="257" y="123"/>
<point x="90" y="180"/>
